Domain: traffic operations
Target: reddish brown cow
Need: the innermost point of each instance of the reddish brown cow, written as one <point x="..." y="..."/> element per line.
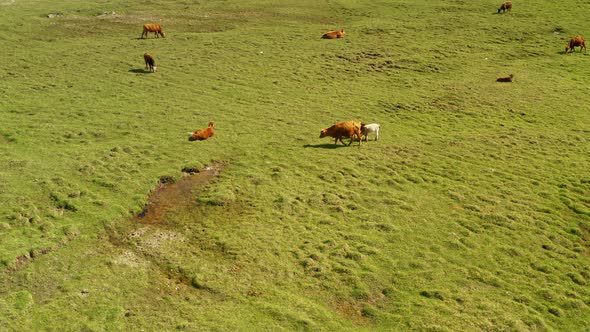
<point x="576" y="41"/>
<point x="334" y="34"/>
<point x="155" y="28"/>
<point x="343" y="129"/>
<point x="508" y="78"/>
<point x="506" y="6"/>
<point x="150" y="63"/>
<point x="203" y="134"/>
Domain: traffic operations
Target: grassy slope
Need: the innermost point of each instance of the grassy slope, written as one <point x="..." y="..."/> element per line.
<point x="471" y="212"/>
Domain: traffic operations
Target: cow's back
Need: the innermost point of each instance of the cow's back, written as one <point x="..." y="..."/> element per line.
<point x="152" y="27"/>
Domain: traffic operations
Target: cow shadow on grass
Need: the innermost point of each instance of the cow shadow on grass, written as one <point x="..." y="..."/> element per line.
<point x="139" y="71"/>
<point x="325" y="146"/>
<point x="564" y="53"/>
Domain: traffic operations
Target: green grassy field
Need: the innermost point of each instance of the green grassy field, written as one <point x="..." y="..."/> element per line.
<point x="471" y="212"/>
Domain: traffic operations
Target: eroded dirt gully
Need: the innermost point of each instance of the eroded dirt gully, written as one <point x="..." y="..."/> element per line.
<point x="171" y="196"/>
<point x="167" y="196"/>
<point x="143" y="243"/>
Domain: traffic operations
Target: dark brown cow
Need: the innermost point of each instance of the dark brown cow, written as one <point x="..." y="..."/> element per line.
<point x="506" y="6"/>
<point x="343" y="129"/>
<point x="150" y="63"/>
<point x="155" y="28"/>
<point x="576" y="41"/>
<point x="334" y="34"/>
<point x="508" y="78"/>
<point x="203" y="134"/>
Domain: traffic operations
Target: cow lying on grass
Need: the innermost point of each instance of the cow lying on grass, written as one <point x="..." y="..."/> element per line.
<point x="506" y="6"/>
<point x="509" y="78"/>
<point x="155" y="28"/>
<point x="343" y="129"/>
<point x="576" y="41"/>
<point x="372" y="128"/>
<point x="203" y="134"/>
<point x="334" y="34"/>
<point x="150" y="63"/>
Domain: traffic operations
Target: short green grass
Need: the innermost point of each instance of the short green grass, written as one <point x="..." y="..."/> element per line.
<point x="471" y="212"/>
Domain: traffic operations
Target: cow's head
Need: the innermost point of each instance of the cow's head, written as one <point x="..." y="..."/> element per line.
<point x="324" y="133"/>
<point x="162" y="34"/>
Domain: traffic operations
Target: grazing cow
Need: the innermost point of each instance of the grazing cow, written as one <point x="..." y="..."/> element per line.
<point x="343" y="129"/>
<point x="509" y="78"/>
<point x="372" y="128"/>
<point x="203" y="134"/>
<point x="150" y="63"/>
<point x="333" y="34"/>
<point x="506" y="6"/>
<point x="155" y="28"/>
<point x="576" y="41"/>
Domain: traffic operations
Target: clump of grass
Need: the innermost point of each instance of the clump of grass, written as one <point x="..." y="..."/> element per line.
<point x="61" y="202"/>
<point x="577" y="278"/>
<point x="196" y="283"/>
<point x="369" y="311"/>
<point x="432" y="294"/>
<point x="20" y="300"/>
<point x="222" y="197"/>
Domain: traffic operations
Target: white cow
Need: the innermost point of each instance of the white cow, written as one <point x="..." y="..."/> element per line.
<point x="372" y="128"/>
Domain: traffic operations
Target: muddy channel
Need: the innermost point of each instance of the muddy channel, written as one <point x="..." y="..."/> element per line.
<point x="174" y="196"/>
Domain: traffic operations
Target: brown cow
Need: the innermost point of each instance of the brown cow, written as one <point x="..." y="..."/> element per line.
<point x="509" y="78"/>
<point x="333" y="34"/>
<point x="203" y="134"/>
<point x="155" y="28"/>
<point x="343" y="129"/>
<point x="150" y="63"/>
<point x="576" y="41"/>
<point x="506" y="6"/>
